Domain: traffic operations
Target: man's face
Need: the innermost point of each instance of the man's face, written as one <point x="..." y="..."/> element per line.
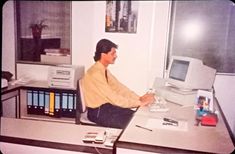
<point x="110" y="57"/>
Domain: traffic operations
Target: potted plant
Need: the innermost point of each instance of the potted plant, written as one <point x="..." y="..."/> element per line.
<point x="37" y="29"/>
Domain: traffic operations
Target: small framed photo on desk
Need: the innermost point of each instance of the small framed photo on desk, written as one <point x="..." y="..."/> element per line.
<point x="204" y="101"/>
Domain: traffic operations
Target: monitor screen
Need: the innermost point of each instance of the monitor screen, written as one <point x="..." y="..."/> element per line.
<point x="179" y="70"/>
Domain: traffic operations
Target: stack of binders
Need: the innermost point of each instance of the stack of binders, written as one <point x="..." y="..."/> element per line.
<point x="68" y="105"/>
<point x="56" y="104"/>
<point x="35" y="102"/>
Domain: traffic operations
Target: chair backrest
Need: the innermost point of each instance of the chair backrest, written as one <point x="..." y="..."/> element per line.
<point x="83" y="104"/>
<point x="81" y="111"/>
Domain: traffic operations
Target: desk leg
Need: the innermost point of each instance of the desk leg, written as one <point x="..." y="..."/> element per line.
<point x="18" y="105"/>
<point x="1" y="109"/>
<point x="17" y="109"/>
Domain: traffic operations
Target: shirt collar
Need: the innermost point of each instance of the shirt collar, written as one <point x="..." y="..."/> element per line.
<point x="100" y="65"/>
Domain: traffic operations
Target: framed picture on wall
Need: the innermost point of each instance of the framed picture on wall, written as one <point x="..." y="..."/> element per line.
<point x="121" y="16"/>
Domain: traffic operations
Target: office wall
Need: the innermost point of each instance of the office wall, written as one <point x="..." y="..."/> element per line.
<point x="8" y="38"/>
<point x="8" y="52"/>
<point x="135" y="51"/>
<point x="224" y="92"/>
<point x="140" y="55"/>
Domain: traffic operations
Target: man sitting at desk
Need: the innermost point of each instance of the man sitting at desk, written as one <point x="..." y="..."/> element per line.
<point x="109" y="102"/>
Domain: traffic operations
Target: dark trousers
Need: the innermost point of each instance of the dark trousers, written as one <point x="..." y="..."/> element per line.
<point x="108" y="115"/>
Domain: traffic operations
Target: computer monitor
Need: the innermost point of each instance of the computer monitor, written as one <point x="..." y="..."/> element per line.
<point x="188" y="74"/>
<point x="185" y="76"/>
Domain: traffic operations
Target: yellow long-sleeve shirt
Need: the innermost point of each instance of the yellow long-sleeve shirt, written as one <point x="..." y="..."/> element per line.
<point x="98" y="91"/>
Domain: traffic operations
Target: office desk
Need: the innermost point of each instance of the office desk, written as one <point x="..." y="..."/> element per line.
<point x="202" y="139"/>
<point x="21" y="107"/>
<point x="56" y="135"/>
<point x="40" y="131"/>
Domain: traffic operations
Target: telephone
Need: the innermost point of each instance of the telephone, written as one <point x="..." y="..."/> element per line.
<point x="97" y="137"/>
<point x="101" y="136"/>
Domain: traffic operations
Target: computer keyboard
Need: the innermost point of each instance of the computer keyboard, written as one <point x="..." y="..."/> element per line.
<point x="159" y="105"/>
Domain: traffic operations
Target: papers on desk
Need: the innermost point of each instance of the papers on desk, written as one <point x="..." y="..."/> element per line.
<point x="20" y="81"/>
<point x="160" y="124"/>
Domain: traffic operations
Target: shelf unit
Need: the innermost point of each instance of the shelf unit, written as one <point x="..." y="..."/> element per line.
<point x="41" y="102"/>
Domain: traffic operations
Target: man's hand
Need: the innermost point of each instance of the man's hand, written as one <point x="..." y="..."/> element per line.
<point x="147" y="98"/>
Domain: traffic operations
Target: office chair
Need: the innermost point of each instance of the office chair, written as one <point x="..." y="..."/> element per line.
<point x="81" y="111"/>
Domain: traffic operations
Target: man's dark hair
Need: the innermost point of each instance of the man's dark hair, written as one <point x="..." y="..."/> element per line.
<point x="103" y="46"/>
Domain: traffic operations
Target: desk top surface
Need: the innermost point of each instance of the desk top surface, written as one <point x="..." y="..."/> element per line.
<point x="10" y="88"/>
<point x="55" y="132"/>
<point x="31" y="84"/>
<point x="194" y="138"/>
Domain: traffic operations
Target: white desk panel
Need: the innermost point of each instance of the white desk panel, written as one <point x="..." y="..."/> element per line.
<point x="195" y="138"/>
<point x="50" y="132"/>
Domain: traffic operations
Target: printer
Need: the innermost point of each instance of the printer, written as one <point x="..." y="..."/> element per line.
<point x="64" y="76"/>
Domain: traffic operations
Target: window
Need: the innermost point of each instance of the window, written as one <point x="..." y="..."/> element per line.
<point x="204" y="30"/>
<point x="43" y="31"/>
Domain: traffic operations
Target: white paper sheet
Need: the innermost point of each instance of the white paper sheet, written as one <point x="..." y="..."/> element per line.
<point x="158" y="124"/>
